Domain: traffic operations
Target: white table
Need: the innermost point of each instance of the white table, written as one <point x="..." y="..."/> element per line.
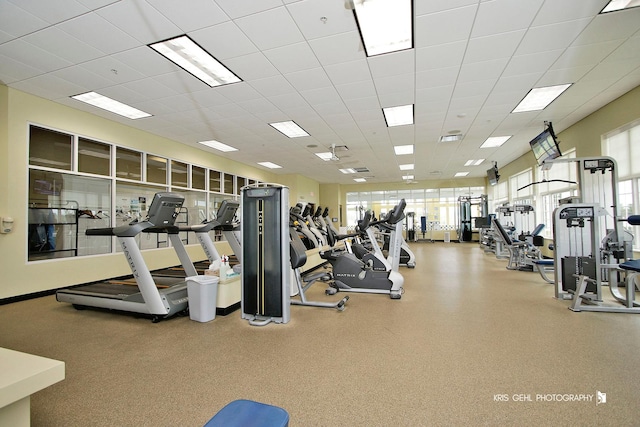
<point x="21" y="375"/>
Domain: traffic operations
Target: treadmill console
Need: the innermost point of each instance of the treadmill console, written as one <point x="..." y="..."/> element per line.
<point x="227" y="212"/>
<point x="164" y="209"/>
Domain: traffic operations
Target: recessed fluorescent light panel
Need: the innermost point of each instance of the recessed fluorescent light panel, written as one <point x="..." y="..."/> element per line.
<point x="290" y="129"/>
<point x="538" y="98"/>
<point x="495" y="141"/>
<point x="218" y="146"/>
<point x="269" y="165"/>
<point x="398" y="116"/>
<point x="620" y="5"/>
<point x="474" y="162"/>
<point x="359" y="180"/>
<point x="459" y="174"/>
<point x="326" y="156"/>
<point x="451" y="138"/>
<point x="347" y="170"/>
<point x="406" y="167"/>
<point x="385" y="25"/>
<point x="403" y="149"/>
<point x="111" y="105"/>
<point x="186" y="54"/>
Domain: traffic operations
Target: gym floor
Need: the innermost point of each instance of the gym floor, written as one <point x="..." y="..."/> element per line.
<point x="469" y="343"/>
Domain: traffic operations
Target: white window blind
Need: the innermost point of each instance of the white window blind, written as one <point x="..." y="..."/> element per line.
<point x="623" y="145"/>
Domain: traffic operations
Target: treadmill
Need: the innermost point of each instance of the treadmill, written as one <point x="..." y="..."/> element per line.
<point x="158" y="298"/>
<point x="223" y="221"/>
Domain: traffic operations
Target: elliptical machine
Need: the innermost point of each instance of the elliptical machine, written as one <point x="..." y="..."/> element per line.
<point x="371" y="274"/>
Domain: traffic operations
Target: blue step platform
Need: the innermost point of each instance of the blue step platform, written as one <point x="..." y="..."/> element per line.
<point x="247" y="413"/>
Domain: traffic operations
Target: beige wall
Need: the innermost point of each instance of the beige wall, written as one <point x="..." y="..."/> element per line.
<point x="18" y="110"/>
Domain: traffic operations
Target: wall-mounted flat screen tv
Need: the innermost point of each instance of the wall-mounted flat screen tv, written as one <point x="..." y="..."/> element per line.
<point x="545" y="146"/>
<point x="492" y="175"/>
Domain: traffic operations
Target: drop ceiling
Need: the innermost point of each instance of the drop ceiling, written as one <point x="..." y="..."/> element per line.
<point x="473" y="61"/>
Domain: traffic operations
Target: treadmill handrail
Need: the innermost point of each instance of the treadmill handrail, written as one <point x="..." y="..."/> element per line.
<point x="121" y="231"/>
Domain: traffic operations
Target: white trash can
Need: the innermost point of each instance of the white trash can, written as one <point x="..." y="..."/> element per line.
<point x="447" y="236"/>
<point x="203" y="294"/>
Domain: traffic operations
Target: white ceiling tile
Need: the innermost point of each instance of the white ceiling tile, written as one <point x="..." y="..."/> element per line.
<point x="522" y="82"/>
<point x="146" y="61"/>
<point x="181" y="82"/>
<point x="258" y="105"/>
<point x="250" y="67"/>
<point x="96" y="4"/>
<point x="563" y="75"/>
<point x="197" y="14"/>
<point x="270" y="29"/>
<point x="535" y="62"/>
<point x="209" y="97"/>
<point x="485" y="70"/>
<point x="393" y="64"/>
<point x="113" y="70"/>
<point x="501" y="16"/>
<point x="236" y="9"/>
<point x="357" y="90"/>
<point x="551" y="37"/>
<point x="630" y="49"/>
<point x="391" y="84"/>
<point x="83" y="77"/>
<point x="475" y="88"/>
<point x="553" y="12"/>
<point x="57" y="42"/>
<point x="437" y="77"/>
<point x="576" y="56"/>
<point x="52" y="12"/>
<point x="322" y="95"/>
<point x="140" y="20"/>
<point x="17" y="22"/>
<point x="12" y="71"/>
<point x="150" y="88"/>
<point x="439" y="95"/>
<point x="608" y="71"/>
<point x="32" y="55"/>
<point x="291" y="58"/>
<point x="215" y="40"/>
<point x="123" y="93"/>
<point x="444" y="27"/>
<point x="348" y="72"/>
<point x="610" y="26"/>
<point x="98" y="32"/>
<point x="309" y="79"/>
<point x="370" y="103"/>
<point x="48" y="86"/>
<point x="394" y="99"/>
<point x="440" y="56"/>
<point x="240" y="91"/>
<point x="308" y="16"/>
<point x="433" y="6"/>
<point x="343" y="47"/>
<point x="271" y="86"/>
<point x="496" y="46"/>
<point x="331" y="108"/>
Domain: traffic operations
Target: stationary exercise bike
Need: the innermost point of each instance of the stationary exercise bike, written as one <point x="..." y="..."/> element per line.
<point x="352" y="274"/>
